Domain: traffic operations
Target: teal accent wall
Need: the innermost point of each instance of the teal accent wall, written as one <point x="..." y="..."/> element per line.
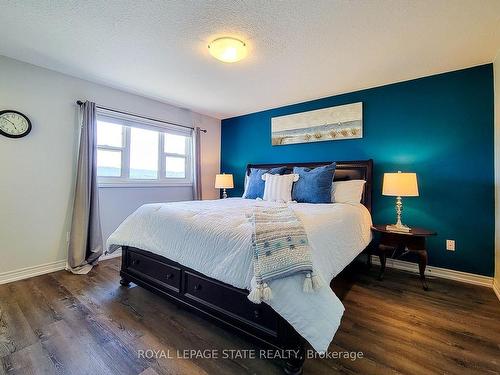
<point x="440" y="127"/>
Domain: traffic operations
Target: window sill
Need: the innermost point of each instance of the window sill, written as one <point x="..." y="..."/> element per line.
<point x="126" y="185"/>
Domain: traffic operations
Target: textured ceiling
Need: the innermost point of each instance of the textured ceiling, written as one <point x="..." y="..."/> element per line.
<point x="298" y="50"/>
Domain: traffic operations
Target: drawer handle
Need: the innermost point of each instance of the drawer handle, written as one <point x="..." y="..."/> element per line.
<point x="256" y="313"/>
<point x="169" y="276"/>
<point x="135" y="262"/>
<point x="197" y="287"/>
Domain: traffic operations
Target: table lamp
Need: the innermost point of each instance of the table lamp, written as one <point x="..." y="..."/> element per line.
<point x="224" y="181"/>
<point x="400" y="185"/>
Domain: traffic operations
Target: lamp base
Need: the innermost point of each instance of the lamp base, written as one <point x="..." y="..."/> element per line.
<point x="398" y="228"/>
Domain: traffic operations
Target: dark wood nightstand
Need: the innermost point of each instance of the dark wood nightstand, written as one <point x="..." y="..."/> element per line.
<point x="401" y="244"/>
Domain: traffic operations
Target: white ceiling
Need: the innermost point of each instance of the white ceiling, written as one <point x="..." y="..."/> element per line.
<point x="298" y="50"/>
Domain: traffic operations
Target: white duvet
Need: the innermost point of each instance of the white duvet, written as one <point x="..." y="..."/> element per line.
<point x="214" y="238"/>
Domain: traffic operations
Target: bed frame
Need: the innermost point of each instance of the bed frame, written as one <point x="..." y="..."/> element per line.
<point x="222" y="303"/>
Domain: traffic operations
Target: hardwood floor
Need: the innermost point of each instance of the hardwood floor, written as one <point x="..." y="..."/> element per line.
<point x="66" y="324"/>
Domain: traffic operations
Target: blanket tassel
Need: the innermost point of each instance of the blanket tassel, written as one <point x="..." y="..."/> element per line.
<point x="308" y="285"/>
<point x="317" y="282"/>
<point x="262" y="292"/>
<point x="312" y="282"/>
<point x="267" y="294"/>
<point x="255" y="295"/>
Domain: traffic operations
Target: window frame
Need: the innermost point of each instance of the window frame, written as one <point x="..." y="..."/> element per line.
<point x="127" y="122"/>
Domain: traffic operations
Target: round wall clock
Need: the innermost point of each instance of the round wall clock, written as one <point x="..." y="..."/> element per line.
<point x="14" y="124"/>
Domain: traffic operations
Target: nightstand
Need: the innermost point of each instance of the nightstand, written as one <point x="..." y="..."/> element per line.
<point x="401" y="243"/>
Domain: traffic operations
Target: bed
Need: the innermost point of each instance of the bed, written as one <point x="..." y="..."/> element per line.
<point x="161" y="252"/>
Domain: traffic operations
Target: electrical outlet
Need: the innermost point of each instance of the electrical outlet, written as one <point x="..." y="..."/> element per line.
<point x="450" y="245"/>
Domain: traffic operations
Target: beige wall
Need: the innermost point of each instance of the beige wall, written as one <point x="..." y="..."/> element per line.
<point x="37" y="173"/>
<point x="496" y="72"/>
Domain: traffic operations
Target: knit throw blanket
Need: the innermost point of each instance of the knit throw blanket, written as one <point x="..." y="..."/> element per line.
<point x="280" y="249"/>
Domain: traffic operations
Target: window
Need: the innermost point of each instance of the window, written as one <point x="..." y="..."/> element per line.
<point x="132" y="151"/>
<point x="144" y="154"/>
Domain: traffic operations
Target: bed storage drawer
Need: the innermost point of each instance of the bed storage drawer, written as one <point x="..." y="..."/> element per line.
<point x="154" y="270"/>
<point x="229" y="300"/>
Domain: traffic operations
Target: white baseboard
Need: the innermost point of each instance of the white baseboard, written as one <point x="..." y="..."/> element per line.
<point x="25" y="273"/>
<point x="444" y="273"/>
<point x="496" y="288"/>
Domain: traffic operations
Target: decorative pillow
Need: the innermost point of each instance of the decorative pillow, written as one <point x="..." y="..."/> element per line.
<point x="245" y="184"/>
<point x="279" y="188"/>
<point x="255" y="185"/>
<point x="314" y="185"/>
<point x="348" y="191"/>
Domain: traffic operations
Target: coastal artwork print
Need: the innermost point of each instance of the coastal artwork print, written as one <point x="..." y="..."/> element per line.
<point x="327" y="124"/>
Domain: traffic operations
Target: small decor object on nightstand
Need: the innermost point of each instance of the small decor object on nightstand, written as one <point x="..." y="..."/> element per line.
<point x="400" y="185"/>
<point x="224" y="181"/>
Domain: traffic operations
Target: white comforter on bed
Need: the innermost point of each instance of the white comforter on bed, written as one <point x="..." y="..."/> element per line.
<point x="214" y="238"/>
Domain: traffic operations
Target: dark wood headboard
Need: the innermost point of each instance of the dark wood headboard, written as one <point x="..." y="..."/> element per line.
<point x="345" y="170"/>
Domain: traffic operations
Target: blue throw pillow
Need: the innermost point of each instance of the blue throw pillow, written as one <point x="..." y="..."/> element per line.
<point x="255" y="186"/>
<point x="314" y="185"/>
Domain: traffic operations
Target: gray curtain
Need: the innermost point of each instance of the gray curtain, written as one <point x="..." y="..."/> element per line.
<point x="85" y="242"/>
<point x="196" y="163"/>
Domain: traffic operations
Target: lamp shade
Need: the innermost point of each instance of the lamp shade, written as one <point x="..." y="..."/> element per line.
<point x="224" y="181"/>
<point x="400" y="184"/>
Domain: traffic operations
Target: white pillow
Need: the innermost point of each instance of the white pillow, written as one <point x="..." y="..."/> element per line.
<point x="278" y="188"/>
<point x="349" y="191"/>
<point x="245" y="185"/>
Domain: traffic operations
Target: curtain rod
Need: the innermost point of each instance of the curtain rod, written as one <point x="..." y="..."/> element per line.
<point x="79" y="102"/>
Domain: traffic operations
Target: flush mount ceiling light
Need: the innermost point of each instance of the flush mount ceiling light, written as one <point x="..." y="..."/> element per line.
<point x="228" y="49"/>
